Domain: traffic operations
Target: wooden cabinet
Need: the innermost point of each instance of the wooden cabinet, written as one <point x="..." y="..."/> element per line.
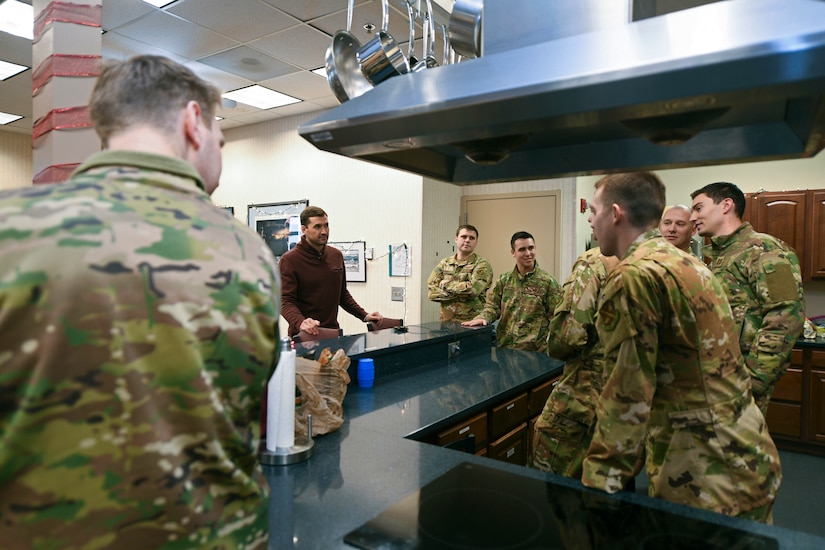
<point x="503" y="430"/>
<point x="815" y="249"/>
<point x="796" y="217"/>
<point x="476" y="426"/>
<point x="796" y="414"/>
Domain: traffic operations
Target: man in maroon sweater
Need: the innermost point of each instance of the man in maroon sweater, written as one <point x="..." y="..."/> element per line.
<point x="313" y="280"/>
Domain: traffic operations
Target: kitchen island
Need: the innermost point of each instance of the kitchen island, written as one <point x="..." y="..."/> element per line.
<point x="374" y="461"/>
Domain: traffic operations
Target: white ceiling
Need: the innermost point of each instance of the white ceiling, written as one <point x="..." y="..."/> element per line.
<point x="231" y="43"/>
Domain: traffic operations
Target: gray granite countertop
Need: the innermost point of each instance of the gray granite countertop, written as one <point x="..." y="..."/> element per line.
<point x="370" y="463"/>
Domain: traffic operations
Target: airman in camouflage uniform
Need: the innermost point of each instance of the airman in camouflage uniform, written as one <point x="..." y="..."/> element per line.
<point x="459" y="283"/>
<point x="522" y="299"/>
<point x="139" y="326"/>
<point x="562" y="432"/>
<point x="676" y="393"/>
<point x="762" y="281"/>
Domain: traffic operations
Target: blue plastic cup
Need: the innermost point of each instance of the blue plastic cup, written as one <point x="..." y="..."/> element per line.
<point x="366" y="372"/>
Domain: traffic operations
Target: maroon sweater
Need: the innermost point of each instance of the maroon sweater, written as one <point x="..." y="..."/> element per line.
<point x="313" y="285"/>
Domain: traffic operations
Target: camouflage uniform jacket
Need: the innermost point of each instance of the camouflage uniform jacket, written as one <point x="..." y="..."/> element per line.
<point x="139" y="325"/>
<point x="525" y="304"/>
<point x="763" y="284"/>
<point x="676" y="392"/>
<point x="563" y="431"/>
<point x="460" y="286"/>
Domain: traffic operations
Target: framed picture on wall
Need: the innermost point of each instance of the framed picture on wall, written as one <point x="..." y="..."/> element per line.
<point x="278" y="224"/>
<point x="355" y="263"/>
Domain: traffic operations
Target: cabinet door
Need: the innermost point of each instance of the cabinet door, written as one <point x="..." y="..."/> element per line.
<point x="814" y="253"/>
<point x="816" y="403"/>
<point x="782" y="214"/>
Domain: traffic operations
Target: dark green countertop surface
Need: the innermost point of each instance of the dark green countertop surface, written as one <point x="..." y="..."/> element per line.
<point x="370" y="464"/>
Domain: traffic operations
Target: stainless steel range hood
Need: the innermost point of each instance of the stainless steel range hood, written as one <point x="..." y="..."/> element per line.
<point x="734" y="81"/>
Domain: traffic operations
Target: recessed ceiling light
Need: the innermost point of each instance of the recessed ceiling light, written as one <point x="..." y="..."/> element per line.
<point x="159" y="3"/>
<point x="321" y="71"/>
<point x="5" y="118"/>
<point x="8" y="70"/>
<point x="260" y="97"/>
<point x="17" y="18"/>
<point x="219" y="118"/>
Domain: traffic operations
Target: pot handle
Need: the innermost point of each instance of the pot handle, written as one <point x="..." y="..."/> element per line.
<point x="350" y="8"/>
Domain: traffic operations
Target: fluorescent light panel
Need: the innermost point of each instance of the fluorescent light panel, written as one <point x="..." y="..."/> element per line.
<point x="8" y="70"/>
<point x="260" y="97"/>
<point x="321" y="71"/>
<point x="17" y="18"/>
<point x="159" y="3"/>
<point x="6" y="118"/>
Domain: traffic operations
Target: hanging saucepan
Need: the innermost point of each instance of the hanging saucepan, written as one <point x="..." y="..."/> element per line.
<point x="343" y="71"/>
<point x="381" y="58"/>
<point x="465" y="27"/>
<point x="411" y="59"/>
<point x="429" y="60"/>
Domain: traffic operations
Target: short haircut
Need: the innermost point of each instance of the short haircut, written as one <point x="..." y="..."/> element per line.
<point x="468" y="227"/>
<point x="312" y="212"/>
<point x="519" y="235"/>
<point x="682" y="207"/>
<point x="640" y="194"/>
<point x="147" y="90"/>
<point x="722" y="190"/>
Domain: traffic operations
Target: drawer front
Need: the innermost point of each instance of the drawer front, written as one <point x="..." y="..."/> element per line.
<point x="537" y="397"/>
<point x="796" y="356"/>
<point x="818" y="358"/>
<point x="476" y="425"/>
<point x="789" y="387"/>
<point x="507" y="416"/>
<point x="512" y="447"/>
<point x="785" y="419"/>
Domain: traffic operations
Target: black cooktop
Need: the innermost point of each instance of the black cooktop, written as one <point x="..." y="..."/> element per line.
<point x="474" y="507"/>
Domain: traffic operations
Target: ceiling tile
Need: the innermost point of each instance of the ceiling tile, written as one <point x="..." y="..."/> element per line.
<point x="117" y="46"/>
<point x="302" y="46"/>
<point x="303" y="85"/>
<point x="177" y="35"/>
<point x="120" y="12"/>
<point x="248" y="63"/>
<point x="308" y="9"/>
<point x="15" y="49"/>
<point x="242" y="20"/>
<point x="223" y="80"/>
<point x="368" y="13"/>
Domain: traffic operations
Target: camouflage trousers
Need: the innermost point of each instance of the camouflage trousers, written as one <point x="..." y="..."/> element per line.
<point x="565" y="427"/>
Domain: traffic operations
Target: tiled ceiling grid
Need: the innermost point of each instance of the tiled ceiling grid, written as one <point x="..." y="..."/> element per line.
<point x="231" y="43"/>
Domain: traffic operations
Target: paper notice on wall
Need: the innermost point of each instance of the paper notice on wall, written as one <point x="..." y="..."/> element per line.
<point x="400" y="260"/>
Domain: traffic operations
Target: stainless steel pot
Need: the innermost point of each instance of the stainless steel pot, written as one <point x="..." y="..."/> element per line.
<point x="341" y="64"/>
<point x="381" y="58"/>
<point x="429" y="60"/>
<point x="465" y="27"/>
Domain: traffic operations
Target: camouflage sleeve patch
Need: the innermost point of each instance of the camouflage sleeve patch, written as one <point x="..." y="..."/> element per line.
<point x="613" y="320"/>
<point x="782" y="285"/>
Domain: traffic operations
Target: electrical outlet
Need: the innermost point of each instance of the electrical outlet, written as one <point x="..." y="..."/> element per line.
<point x="397" y="294"/>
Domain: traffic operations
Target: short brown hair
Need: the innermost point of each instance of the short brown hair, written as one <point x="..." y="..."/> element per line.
<point x="468" y="227"/>
<point x="312" y="212"/>
<point x="640" y="194"/>
<point x="147" y="89"/>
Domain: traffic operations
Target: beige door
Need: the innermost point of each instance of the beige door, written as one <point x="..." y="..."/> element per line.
<point x="497" y="217"/>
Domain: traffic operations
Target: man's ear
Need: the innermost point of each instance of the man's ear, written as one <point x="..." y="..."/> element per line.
<point x="727" y="205"/>
<point x="618" y="213"/>
<point x="191" y="123"/>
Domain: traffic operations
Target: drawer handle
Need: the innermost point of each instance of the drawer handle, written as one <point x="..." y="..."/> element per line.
<point x="464" y="430"/>
<point x="511" y="452"/>
<point x="510" y="406"/>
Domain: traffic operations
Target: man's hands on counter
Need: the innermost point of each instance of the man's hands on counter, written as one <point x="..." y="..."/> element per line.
<point x="477" y="322"/>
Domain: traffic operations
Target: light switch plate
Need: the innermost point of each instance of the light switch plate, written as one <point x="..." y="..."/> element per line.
<point x="397" y="294"/>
